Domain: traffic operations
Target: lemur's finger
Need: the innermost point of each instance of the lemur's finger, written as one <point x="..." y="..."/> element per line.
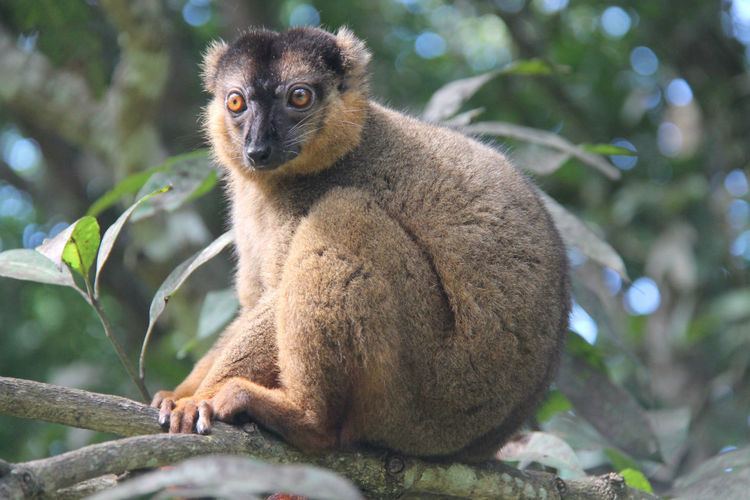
<point x="165" y="410"/>
<point x="189" y="414"/>
<point x="175" y="422"/>
<point x="205" y="414"/>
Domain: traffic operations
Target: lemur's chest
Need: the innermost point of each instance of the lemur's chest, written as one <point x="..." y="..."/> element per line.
<point x="265" y="221"/>
<point x="264" y="224"/>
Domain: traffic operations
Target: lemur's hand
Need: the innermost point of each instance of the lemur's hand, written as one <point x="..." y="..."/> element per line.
<point x="187" y="415"/>
<point x="161" y="396"/>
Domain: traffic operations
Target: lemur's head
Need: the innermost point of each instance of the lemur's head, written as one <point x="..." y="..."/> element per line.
<point x="291" y="102"/>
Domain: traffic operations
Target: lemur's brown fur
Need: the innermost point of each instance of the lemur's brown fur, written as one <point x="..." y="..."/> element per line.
<point x="401" y="284"/>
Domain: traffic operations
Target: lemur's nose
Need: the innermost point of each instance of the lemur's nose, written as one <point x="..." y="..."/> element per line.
<point x="258" y="154"/>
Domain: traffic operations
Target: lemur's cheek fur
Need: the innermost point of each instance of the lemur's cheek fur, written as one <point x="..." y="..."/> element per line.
<point x="220" y="136"/>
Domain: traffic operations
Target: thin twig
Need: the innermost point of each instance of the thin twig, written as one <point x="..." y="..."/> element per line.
<point x="109" y="332"/>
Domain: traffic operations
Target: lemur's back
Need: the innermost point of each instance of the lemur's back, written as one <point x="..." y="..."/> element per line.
<point x="496" y="256"/>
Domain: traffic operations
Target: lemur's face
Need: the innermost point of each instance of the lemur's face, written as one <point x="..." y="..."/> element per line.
<point x="275" y="93"/>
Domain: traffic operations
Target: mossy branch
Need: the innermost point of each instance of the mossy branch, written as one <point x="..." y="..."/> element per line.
<point x="378" y="474"/>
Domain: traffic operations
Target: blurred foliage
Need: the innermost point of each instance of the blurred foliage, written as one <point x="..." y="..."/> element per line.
<point x="668" y="81"/>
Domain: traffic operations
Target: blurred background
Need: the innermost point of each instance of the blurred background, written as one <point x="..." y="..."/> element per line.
<point x="92" y="92"/>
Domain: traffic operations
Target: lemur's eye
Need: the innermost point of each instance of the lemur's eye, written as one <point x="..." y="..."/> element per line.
<point x="300" y="97"/>
<point x="236" y="103"/>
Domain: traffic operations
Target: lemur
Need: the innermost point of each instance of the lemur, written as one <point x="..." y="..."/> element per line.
<point x="401" y="284"/>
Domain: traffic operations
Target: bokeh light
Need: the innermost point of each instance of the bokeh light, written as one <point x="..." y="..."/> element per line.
<point x="484" y="41"/>
<point x="669" y="139"/>
<point x="615" y="22"/>
<point x="22" y="154"/>
<point x="741" y="245"/>
<point x="512" y="6"/>
<point x="304" y="15"/>
<point x="736" y="183"/>
<point x="652" y="99"/>
<point x="57" y="229"/>
<point x="197" y="12"/>
<point x="15" y="204"/>
<point x="551" y="6"/>
<point x="612" y="280"/>
<point x="644" y="61"/>
<point x="740" y="16"/>
<point x="738" y="214"/>
<point x="33" y="236"/>
<point x="624" y="162"/>
<point x="576" y="258"/>
<point x="413" y="6"/>
<point x="429" y="45"/>
<point x="583" y="324"/>
<point x="679" y="92"/>
<point x="642" y="297"/>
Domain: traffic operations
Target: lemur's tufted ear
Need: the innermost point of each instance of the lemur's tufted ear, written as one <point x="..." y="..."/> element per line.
<point x="354" y="53"/>
<point x="210" y="65"/>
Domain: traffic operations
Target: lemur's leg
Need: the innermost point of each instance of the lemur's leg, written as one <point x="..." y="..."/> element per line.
<point x="247" y="348"/>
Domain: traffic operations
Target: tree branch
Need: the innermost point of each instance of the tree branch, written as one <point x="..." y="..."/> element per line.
<point x="376" y="473"/>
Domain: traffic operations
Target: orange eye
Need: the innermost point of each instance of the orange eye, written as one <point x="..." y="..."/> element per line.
<point x="300" y="97"/>
<point x="235" y="102"/>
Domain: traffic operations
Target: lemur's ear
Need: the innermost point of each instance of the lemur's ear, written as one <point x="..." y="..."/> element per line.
<point x="354" y="52"/>
<point x="210" y="65"/>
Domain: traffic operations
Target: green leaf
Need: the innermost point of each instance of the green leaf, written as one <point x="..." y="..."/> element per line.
<point x="619" y="460"/>
<point x="204" y="187"/>
<point x="80" y="250"/>
<point x="613" y="411"/>
<point x="129" y="185"/>
<point x="113" y="231"/>
<point x="30" y="265"/>
<point x="527" y="67"/>
<point x="578" y="347"/>
<point x="190" y="177"/>
<point x="723" y="476"/>
<point x="219" y="307"/>
<point x="76" y="246"/>
<point x="555" y="403"/>
<point x="133" y="183"/>
<point x="463" y="119"/>
<point x="53" y="248"/>
<point x="608" y="150"/>
<point x="539" y="160"/>
<point x="178" y="276"/>
<point x="175" y="280"/>
<point x="635" y="479"/>
<point x="575" y="233"/>
<point x="544" y="138"/>
<point x="448" y="99"/>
